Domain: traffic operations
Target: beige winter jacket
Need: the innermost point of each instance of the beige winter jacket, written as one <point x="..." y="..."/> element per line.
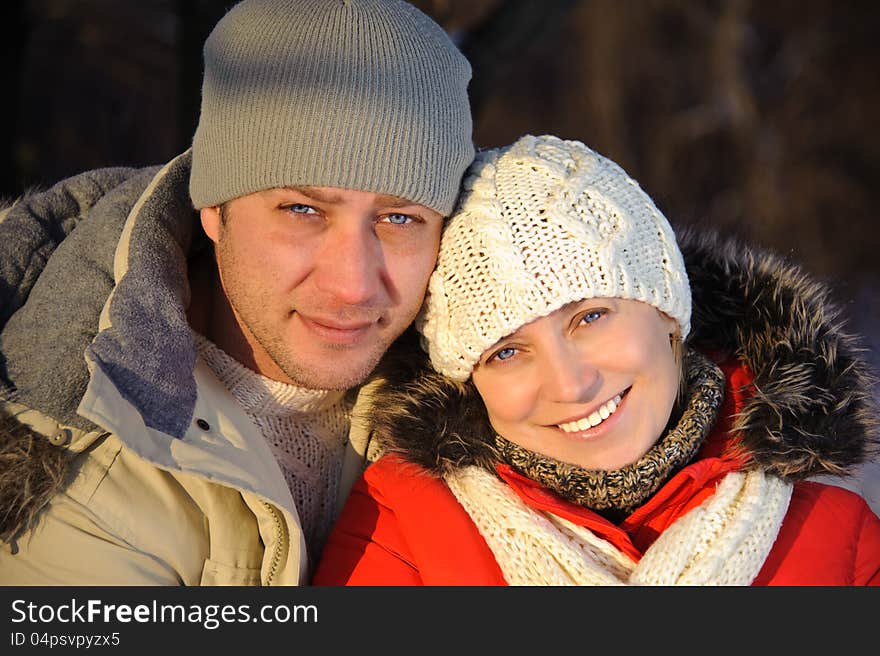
<point x="167" y="480"/>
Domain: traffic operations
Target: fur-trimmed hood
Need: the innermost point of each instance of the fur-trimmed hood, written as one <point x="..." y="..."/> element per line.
<point x="812" y="412"/>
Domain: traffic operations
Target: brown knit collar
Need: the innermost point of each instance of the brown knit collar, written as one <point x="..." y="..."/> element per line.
<point x="618" y="492"/>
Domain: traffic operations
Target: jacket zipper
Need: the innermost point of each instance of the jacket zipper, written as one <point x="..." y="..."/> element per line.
<point x="279" y="543"/>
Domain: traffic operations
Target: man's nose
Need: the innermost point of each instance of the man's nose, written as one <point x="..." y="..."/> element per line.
<point x="350" y="265"/>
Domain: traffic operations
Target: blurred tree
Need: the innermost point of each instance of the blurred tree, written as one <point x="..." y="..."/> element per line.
<point x="12" y="53"/>
<point x="196" y="19"/>
<point x="98" y="87"/>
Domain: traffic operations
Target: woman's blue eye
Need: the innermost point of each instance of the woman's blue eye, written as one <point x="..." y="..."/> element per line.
<point x="505" y="353"/>
<point x="592" y="315"/>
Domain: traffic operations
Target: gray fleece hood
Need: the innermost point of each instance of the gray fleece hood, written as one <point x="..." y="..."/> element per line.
<point x="93" y="278"/>
<point x="106" y="249"/>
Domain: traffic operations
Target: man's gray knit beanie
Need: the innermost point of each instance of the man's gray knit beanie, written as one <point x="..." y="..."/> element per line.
<point x="359" y="94"/>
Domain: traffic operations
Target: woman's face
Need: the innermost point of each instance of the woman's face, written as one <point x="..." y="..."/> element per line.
<point x="592" y="384"/>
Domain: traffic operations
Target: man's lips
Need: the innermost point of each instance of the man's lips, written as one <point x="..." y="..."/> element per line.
<point x="336" y="331"/>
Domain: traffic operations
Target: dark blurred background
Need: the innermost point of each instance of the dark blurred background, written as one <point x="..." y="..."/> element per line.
<point x="754" y="117"/>
<point x="757" y="118"/>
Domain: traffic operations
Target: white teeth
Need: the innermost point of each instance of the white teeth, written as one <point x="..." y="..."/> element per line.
<point x="594" y="419"/>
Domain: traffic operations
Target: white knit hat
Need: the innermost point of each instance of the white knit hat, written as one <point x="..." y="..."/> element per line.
<point x="539" y="224"/>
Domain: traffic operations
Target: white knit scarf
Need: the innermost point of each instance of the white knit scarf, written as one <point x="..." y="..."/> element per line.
<point x="724" y="541"/>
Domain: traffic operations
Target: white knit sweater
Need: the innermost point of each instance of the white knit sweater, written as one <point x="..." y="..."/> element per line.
<point x="306" y="430"/>
<point x="724" y="541"/>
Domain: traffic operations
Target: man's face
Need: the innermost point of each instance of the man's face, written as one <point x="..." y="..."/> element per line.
<point x="321" y="280"/>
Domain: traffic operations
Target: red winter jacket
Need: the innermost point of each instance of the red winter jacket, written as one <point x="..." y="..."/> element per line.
<point x="403" y="526"/>
<point x="797" y="388"/>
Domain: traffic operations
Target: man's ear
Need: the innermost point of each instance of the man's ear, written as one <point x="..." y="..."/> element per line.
<point x="210" y="217"/>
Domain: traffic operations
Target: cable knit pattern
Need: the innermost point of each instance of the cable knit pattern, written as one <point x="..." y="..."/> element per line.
<point x="542" y="223"/>
<point x="306" y="430"/>
<point x="724" y="541"/>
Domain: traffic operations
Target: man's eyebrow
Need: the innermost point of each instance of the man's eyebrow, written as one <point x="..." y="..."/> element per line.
<point x="330" y="197"/>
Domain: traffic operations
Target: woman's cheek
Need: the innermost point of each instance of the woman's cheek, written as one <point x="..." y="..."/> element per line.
<point x="508" y="398"/>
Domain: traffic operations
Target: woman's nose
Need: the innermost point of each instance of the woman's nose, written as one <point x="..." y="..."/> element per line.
<point x="569" y="378"/>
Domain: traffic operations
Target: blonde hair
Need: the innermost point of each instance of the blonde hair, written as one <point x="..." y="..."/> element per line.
<point x="679" y="349"/>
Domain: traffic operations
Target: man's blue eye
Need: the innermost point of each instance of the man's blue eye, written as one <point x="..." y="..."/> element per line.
<point x="299" y="208"/>
<point x="399" y="219"/>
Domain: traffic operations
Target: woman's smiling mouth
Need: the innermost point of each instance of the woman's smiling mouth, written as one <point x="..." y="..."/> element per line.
<point x="595" y="418"/>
